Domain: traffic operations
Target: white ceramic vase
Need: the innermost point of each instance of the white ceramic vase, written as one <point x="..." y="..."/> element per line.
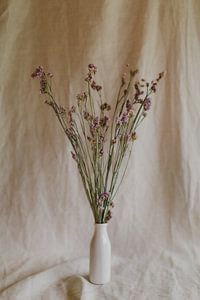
<point x="100" y="255"/>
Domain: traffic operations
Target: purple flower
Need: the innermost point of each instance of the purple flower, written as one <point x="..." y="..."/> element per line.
<point x="147" y="104"/>
<point x="104" y="195"/>
<point x="81" y="96"/>
<point x="129" y="105"/>
<point x="38" y="73"/>
<point x="95" y="123"/>
<point x="92" y="68"/>
<point x="124" y="118"/>
<point x="101" y="200"/>
<point x="43" y="86"/>
<point x="70" y="118"/>
<point x="103" y="121"/>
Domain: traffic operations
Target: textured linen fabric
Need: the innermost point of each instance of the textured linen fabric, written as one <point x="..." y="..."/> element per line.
<point x="45" y="220"/>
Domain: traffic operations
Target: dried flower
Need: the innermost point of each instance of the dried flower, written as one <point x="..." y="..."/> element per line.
<point x="129" y="105"/>
<point x="133" y="136"/>
<point x="102" y="200"/>
<point x="108" y="216"/>
<point x="43" y="86"/>
<point x="101" y="152"/>
<point x="62" y="110"/>
<point x="81" y="96"/>
<point x="124" y="118"/>
<point x="147" y="104"/>
<point x="93" y="85"/>
<point x="38" y="73"/>
<point x="49" y="102"/>
<point x="112" y="204"/>
<point x="114" y="141"/>
<point x="133" y="72"/>
<point x="105" y="195"/>
<point x="92" y="68"/>
<point x="88" y="78"/>
<point x="105" y="106"/>
<point x="153" y="87"/>
<point x="70" y="117"/>
<point x="95" y="123"/>
<point x="86" y="115"/>
<point x="99" y="144"/>
<point x="160" y="75"/>
<point x="103" y="121"/>
<point x="73" y="109"/>
<point x="98" y="88"/>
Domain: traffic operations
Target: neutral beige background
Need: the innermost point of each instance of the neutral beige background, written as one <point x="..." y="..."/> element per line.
<point x="45" y="221"/>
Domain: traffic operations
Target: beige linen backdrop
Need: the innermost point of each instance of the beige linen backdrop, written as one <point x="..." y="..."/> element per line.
<point x="45" y="220"/>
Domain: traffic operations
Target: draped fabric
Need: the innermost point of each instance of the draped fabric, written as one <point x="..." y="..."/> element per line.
<point x="45" y="220"/>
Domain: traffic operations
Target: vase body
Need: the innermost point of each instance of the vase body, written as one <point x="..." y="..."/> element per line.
<point x="100" y="255"/>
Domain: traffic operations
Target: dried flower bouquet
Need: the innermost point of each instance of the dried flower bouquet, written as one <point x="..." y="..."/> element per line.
<point x="101" y="137"/>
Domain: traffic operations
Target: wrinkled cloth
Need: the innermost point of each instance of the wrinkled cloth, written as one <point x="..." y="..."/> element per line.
<point x="162" y="277"/>
<point x="45" y="219"/>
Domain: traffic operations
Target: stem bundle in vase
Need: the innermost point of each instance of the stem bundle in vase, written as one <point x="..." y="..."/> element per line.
<point x="101" y="137"/>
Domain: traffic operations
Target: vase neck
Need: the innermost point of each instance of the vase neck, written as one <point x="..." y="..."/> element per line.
<point x="101" y="227"/>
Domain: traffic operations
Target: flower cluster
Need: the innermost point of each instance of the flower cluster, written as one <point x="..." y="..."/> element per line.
<point x="102" y="200"/>
<point x="39" y="73"/>
<point x="103" y="203"/>
<point x="101" y="137"/>
<point x="105" y="106"/>
<point x="92" y="69"/>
